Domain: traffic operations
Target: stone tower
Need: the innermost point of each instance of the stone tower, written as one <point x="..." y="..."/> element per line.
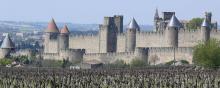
<point x="64" y="38"/>
<point x="132" y="29"/>
<point x="205" y="31"/>
<point x="156" y="20"/>
<point x="51" y="38"/>
<point x="108" y="36"/>
<point x="171" y="32"/>
<point x="6" y="47"/>
<point x="118" y="20"/>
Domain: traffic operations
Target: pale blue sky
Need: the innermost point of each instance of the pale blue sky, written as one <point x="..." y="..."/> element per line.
<point x="93" y="11"/>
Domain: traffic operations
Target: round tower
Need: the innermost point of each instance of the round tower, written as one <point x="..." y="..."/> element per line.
<point x="171" y="32"/>
<point x="131" y="35"/>
<point x="7" y="46"/>
<point x="64" y="38"/>
<point x="51" y="38"/>
<point x="205" y="31"/>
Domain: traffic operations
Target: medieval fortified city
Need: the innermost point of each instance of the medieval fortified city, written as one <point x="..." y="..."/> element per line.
<point x="178" y="50"/>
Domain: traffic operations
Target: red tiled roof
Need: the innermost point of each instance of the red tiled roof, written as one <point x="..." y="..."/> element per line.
<point x="52" y="27"/>
<point x="64" y="30"/>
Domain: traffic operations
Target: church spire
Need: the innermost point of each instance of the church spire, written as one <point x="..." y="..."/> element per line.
<point x="156" y="15"/>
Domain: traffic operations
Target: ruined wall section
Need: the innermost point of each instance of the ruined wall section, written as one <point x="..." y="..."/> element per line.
<point x="88" y="42"/>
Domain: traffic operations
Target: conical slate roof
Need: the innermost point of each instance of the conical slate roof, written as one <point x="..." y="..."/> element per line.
<point x="65" y="30"/>
<point x="174" y="22"/>
<point x="7" y="43"/>
<point x="205" y="23"/>
<point x="133" y="24"/>
<point x="52" y="27"/>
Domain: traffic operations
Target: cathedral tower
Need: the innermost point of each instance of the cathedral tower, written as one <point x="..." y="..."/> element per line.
<point x="171" y="32"/>
<point x="64" y="38"/>
<point x="51" y="38"/>
<point x="156" y="20"/>
<point x="132" y="29"/>
<point x="7" y="46"/>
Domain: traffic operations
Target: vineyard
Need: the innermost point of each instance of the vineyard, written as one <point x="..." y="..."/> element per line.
<point x="151" y="77"/>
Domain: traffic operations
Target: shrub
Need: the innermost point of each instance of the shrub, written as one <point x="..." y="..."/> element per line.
<point x="5" y="61"/>
<point x="138" y="63"/>
<point x="207" y="54"/>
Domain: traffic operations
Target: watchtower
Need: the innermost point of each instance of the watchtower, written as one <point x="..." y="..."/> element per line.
<point x="171" y="32"/>
<point x="132" y="29"/>
<point x="51" y="38"/>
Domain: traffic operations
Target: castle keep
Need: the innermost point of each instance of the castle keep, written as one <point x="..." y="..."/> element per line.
<point x="170" y="40"/>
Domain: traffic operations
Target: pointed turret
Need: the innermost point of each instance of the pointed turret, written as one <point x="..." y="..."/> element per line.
<point x="65" y="30"/>
<point x="52" y="27"/>
<point x="174" y="22"/>
<point x="205" y="30"/>
<point x="64" y="38"/>
<point x="156" y="15"/>
<point x="7" y="43"/>
<point x="132" y="29"/>
<point x="133" y="25"/>
<point x="51" y="38"/>
<point x="205" y="23"/>
<point x="172" y="32"/>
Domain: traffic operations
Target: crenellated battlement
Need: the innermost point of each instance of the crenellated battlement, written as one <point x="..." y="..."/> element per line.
<point x="73" y="50"/>
<point x="51" y="54"/>
<point x="121" y="34"/>
<point x="150" y="33"/>
<point x="189" y="31"/>
<point x="109" y="54"/>
<point x="171" y="49"/>
<point x="84" y="36"/>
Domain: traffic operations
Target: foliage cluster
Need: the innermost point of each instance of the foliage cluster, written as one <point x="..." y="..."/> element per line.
<point x="194" y="23"/>
<point x="207" y="54"/>
<point x="5" y="61"/>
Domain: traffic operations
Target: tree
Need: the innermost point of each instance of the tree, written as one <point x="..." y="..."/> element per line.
<point x="194" y="23"/>
<point x="207" y="54"/>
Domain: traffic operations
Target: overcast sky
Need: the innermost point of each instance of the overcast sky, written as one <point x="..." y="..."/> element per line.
<point x="93" y="11"/>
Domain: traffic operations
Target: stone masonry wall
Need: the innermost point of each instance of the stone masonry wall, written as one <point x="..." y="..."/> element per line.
<point x="109" y="57"/>
<point x="166" y="54"/>
<point x="88" y="42"/>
